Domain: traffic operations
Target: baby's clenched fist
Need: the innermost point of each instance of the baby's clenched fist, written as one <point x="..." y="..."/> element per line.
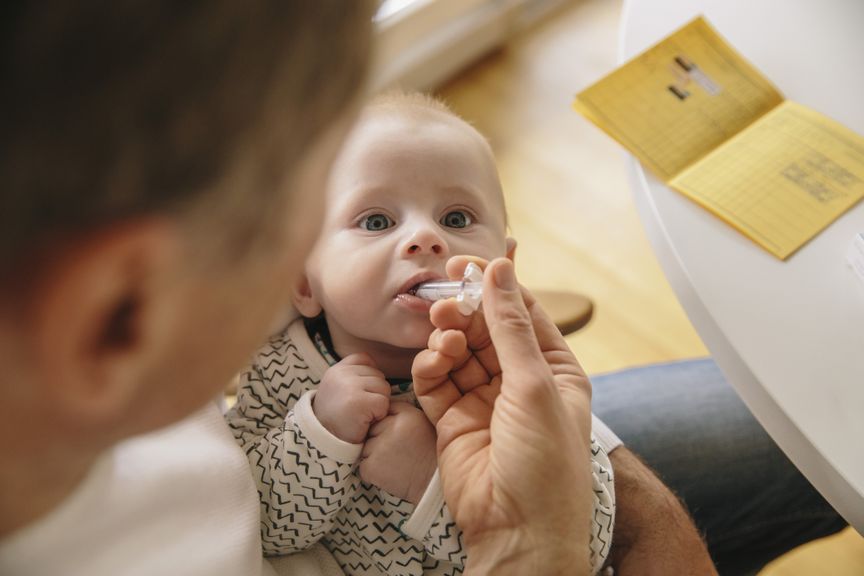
<point x="399" y="456"/>
<point x="353" y="394"/>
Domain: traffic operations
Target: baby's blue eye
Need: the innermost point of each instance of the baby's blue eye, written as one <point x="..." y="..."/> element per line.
<point x="456" y="219"/>
<point x="376" y="222"/>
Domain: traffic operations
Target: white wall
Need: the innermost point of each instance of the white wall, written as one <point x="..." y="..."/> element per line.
<point x="429" y="41"/>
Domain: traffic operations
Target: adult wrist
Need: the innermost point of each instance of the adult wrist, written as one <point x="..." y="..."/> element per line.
<point x="517" y="554"/>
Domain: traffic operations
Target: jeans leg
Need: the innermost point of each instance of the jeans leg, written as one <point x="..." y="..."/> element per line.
<point x="745" y="496"/>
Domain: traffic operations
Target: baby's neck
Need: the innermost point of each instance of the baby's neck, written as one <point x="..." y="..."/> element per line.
<point x="394" y="362"/>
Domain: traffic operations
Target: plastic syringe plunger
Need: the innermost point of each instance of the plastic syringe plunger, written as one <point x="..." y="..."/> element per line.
<point x="468" y="292"/>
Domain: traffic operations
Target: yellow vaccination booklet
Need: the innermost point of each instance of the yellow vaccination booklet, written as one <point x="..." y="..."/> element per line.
<point x="713" y="128"/>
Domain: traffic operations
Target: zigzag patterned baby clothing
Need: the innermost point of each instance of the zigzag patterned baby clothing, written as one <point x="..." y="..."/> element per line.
<point x="310" y="489"/>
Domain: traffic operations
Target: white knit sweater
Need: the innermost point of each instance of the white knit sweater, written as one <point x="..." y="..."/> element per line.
<point x="179" y="501"/>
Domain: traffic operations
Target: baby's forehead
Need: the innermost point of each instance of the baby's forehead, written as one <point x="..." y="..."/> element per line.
<point x="392" y="138"/>
<point x="399" y="125"/>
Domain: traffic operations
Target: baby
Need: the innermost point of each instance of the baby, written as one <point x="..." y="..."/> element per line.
<point x="326" y="413"/>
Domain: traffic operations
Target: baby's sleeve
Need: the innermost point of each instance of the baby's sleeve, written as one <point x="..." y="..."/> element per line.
<point x="304" y="475"/>
<point x="433" y="526"/>
<point x="603" y="516"/>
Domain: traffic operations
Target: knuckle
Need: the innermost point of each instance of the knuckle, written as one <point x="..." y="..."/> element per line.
<point x="334" y="377"/>
<point x="514" y="318"/>
<point x="422" y="359"/>
<point x="380" y="405"/>
<point x="381" y="388"/>
<point x="435" y="338"/>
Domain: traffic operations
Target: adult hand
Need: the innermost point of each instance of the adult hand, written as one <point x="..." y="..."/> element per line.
<point x="399" y="455"/>
<point x="353" y="394"/>
<point x="511" y="406"/>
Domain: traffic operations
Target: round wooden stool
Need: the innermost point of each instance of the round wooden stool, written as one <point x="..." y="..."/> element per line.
<point x="569" y="311"/>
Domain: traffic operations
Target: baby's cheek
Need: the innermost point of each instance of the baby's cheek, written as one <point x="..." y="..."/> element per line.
<point x="350" y="301"/>
<point x="358" y="319"/>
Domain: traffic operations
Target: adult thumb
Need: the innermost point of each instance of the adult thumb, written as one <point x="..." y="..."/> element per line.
<point x="510" y="325"/>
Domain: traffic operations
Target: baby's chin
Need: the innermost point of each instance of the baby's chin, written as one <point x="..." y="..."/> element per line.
<point x="414" y="337"/>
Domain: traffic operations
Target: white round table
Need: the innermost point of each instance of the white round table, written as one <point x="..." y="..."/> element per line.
<point x="789" y="336"/>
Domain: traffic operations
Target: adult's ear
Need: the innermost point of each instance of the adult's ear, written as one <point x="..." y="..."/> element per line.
<point x="511" y="248"/>
<point x="97" y="316"/>
<point x="304" y="299"/>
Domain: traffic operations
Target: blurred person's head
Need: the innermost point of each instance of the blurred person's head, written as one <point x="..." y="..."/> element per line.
<point x="151" y="154"/>
<point x="414" y="185"/>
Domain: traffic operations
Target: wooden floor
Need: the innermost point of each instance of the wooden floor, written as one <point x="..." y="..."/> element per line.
<point x="570" y="209"/>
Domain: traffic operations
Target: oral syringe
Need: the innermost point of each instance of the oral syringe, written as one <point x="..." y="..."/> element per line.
<point x="468" y="291"/>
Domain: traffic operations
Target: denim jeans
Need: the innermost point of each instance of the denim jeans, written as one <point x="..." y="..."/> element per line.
<point x="687" y="423"/>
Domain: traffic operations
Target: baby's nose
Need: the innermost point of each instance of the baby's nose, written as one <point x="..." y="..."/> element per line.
<point x="425" y="241"/>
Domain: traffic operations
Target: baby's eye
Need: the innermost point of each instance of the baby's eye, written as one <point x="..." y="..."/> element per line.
<point x="456" y="219"/>
<point x="376" y="222"/>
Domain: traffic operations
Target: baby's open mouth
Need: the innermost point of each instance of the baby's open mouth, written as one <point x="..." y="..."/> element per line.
<point x="412" y="286"/>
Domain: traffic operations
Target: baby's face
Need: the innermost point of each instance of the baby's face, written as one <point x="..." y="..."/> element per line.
<point x="405" y="195"/>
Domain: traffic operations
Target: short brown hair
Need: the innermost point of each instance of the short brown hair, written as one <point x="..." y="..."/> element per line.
<point x="116" y="108"/>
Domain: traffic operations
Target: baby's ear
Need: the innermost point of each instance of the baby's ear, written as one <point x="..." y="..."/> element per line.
<point x="511" y="248"/>
<point x="304" y="300"/>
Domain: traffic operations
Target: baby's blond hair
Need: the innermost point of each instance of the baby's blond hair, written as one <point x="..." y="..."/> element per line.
<point x="414" y="104"/>
<point x="406" y="101"/>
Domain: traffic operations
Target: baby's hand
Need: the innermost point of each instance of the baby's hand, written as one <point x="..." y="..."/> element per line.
<point x="399" y="456"/>
<point x="353" y="394"/>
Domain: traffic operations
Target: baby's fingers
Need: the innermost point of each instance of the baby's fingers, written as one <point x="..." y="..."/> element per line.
<point x="375" y="405"/>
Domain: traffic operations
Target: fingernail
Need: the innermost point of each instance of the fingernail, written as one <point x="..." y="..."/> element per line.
<point x="505" y="276"/>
